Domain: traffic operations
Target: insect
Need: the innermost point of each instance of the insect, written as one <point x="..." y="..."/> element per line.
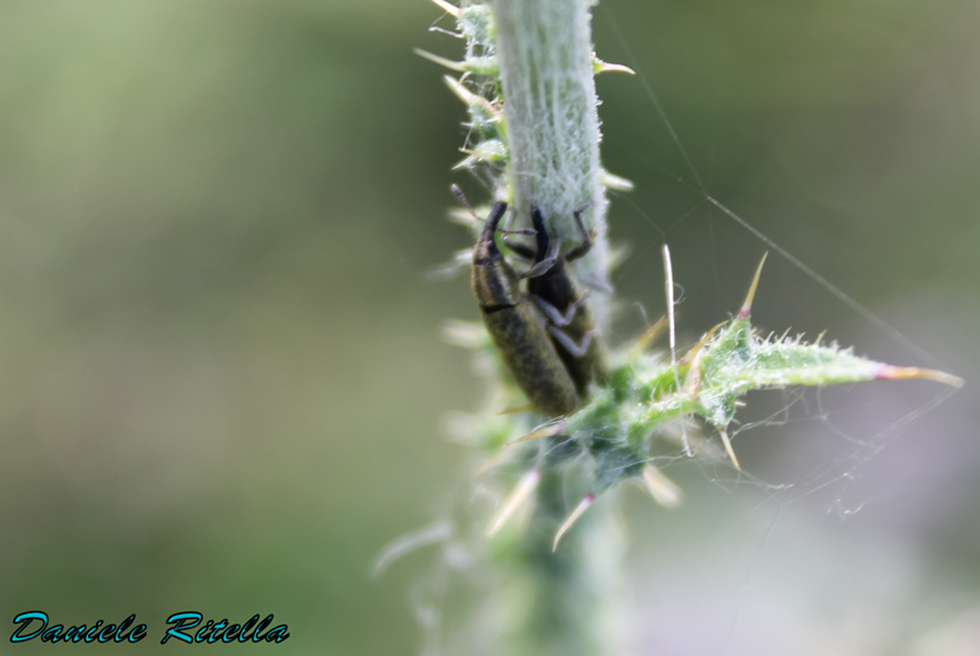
<point x="517" y="326"/>
<point x="554" y="290"/>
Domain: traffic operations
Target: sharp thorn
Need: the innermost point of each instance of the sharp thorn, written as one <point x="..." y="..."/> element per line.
<point x="606" y="67"/>
<point x="888" y="372"/>
<point x="728" y="447"/>
<point x="582" y="507"/>
<point x="442" y="61"/>
<point x="450" y="9"/>
<point x="649" y="337"/>
<point x="548" y="430"/>
<point x="519" y="409"/>
<point x="696" y="349"/>
<point x="459" y="89"/>
<point x="747" y="305"/>
<point x="663" y="490"/>
<point x="671" y="320"/>
<point x="517" y="498"/>
<point x="614" y="182"/>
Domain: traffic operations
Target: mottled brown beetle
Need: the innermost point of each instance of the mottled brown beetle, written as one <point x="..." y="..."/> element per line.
<point x="517" y="327"/>
<point x="554" y="290"/>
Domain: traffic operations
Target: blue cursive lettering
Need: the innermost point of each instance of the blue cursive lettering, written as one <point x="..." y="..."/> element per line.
<point x="25" y="619"/>
<point x="90" y="636"/>
<point x="105" y="635"/>
<point x="36" y="624"/>
<point x="182" y="621"/>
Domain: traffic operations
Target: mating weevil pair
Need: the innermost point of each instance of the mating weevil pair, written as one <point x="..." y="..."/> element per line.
<point x="546" y="337"/>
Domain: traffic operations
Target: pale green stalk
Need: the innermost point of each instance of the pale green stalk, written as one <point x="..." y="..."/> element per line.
<point x="544" y="50"/>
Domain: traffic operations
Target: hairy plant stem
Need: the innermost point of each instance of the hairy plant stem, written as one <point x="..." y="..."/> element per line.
<point x="545" y="55"/>
<point x="544" y="49"/>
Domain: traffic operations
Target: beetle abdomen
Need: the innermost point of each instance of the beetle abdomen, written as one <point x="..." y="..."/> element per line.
<point x="530" y="356"/>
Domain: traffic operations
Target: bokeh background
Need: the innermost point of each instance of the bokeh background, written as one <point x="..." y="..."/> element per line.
<point x="221" y="374"/>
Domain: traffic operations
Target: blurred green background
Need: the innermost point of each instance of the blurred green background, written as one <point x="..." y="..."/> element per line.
<point x="221" y="375"/>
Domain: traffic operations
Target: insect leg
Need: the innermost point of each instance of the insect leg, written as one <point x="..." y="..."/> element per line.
<point x="525" y="251"/>
<point x="577" y="350"/>
<point x="555" y="315"/>
<point x="586" y="245"/>
<point x="545" y="265"/>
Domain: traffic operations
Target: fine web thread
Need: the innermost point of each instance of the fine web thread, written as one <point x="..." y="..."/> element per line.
<point x="706" y="196"/>
<point x="843" y="469"/>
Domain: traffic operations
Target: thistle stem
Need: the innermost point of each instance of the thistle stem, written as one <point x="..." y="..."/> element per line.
<point x="545" y="54"/>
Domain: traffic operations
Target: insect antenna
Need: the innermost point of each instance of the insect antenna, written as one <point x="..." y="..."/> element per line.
<point x="458" y="193"/>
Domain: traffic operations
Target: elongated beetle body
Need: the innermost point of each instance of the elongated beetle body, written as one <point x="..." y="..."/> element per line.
<point x="518" y="328"/>
<point x="556" y="292"/>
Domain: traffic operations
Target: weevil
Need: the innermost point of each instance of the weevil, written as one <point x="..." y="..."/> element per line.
<point x="554" y="290"/>
<point x="518" y="327"/>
